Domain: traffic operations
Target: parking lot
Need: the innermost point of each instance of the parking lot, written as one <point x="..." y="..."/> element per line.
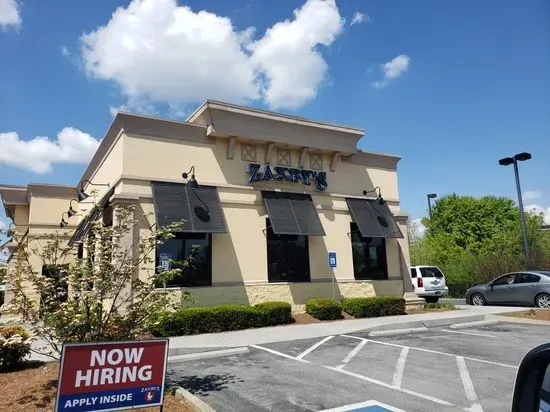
<point x="438" y="370"/>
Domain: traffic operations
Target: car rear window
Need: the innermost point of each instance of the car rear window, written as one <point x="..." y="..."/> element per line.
<point x="431" y="273"/>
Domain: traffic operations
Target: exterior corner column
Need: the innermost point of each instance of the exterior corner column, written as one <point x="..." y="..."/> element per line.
<point x="129" y="243"/>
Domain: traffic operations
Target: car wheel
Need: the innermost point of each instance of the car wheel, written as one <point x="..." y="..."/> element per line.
<point x="543" y="301"/>
<point x="478" y="299"/>
<point x="431" y="299"/>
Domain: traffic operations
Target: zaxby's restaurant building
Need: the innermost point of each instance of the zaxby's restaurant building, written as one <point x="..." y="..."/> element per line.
<point x="266" y="198"/>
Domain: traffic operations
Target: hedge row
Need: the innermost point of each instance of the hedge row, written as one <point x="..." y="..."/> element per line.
<point x="324" y="308"/>
<point x="328" y="309"/>
<point x="221" y="318"/>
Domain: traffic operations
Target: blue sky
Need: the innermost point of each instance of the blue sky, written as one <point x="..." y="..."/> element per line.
<point x="449" y="86"/>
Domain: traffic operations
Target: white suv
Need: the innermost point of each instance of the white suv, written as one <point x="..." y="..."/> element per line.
<point x="428" y="282"/>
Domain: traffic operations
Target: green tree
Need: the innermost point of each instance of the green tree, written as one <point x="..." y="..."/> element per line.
<point x="99" y="297"/>
<point x="475" y="239"/>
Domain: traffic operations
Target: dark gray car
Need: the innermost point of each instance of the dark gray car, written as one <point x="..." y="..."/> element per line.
<point x="519" y="288"/>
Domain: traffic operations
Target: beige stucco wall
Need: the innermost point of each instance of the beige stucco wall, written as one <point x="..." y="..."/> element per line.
<point x="48" y="211"/>
<point x="295" y="293"/>
<point x="239" y="265"/>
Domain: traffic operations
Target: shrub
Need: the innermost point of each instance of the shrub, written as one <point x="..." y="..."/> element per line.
<point x="324" y="308"/>
<point x="277" y="313"/>
<point x="439" y="306"/>
<point x="221" y="318"/>
<point x="374" y="306"/>
<point x="15" y="344"/>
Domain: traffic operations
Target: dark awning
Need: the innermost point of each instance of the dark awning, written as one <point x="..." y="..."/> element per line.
<point x="86" y="224"/>
<point x="200" y="208"/>
<point x="373" y="219"/>
<point x="292" y="214"/>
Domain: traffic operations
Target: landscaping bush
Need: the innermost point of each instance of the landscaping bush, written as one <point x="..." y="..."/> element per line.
<point x="221" y="318"/>
<point x="324" y="308"/>
<point x="277" y="313"/>
<point x="374" y="306"/>
<point x="15" y="344"/>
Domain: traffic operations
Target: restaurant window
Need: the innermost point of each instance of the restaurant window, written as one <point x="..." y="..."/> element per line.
<point x="59" y="292"/>
<point x="369" y="256"/>
<point x="196" y="248"/>
<point x="287" y="257"/>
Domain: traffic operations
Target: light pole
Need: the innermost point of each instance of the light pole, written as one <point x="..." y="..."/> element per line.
<point x="431" y="196"/>
<point x="514" y="160"/>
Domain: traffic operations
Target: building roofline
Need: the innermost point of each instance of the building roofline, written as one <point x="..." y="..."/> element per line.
<point x="216" y="104"/>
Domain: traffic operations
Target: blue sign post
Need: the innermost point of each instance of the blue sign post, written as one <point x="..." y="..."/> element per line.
<point x="332" y="265"/>
<point x="332" y="260"/>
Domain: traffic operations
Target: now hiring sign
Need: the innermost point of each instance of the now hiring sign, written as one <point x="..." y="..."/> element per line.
<point x="112" y="375"/>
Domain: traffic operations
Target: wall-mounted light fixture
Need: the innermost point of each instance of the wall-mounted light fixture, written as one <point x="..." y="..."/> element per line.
<point x="203" y="213"/>
<point x="71" y="212"/>
<point x="63" y="222"/>
<point x="380" y="199"/>
<point x="82" y="195"/>
<point x="192" y="182"/>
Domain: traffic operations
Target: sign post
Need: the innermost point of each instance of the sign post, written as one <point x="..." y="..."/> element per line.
<point x="110" y="376"/>
<point x="332" y="265"/>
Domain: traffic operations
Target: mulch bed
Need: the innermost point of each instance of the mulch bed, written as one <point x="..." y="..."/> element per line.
<point x="33" y="388"/>
<point x="304" y="318"/>
<point x="537" y="314"/>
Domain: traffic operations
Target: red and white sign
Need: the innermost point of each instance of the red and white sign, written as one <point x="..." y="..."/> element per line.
<point x="110" y="376"/>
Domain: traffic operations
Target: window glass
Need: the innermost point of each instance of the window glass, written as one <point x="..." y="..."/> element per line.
<point x="504" y="280"/>
<point x="527" y="278"/>
<point x="413" y="272"/>
<point x="60" y="288"/>
<point x="193" y="247"/>
<point x="431" y="273"/>
<point x="369" y="256"/>
<point x="287" y="257"/>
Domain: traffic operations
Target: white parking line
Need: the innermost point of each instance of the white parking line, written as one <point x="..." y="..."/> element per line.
<point x="433" y="351"/>
<point x="468" y="333"/>
<point x="284" y="355"/>
<point x="377" y="382"/>
<point x="354" y="351"/>
<point x="356" y="375"/>
<point x="313" y="347"/>
<point x="468" y="385"/>
<point x="400" y="368"/>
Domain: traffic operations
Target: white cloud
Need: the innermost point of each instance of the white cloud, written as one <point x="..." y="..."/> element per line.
<point x="65" y="52"/>
<point x="392" y="70"/>
<point x="38" y="154"/>
<point x="417" y="229"/>
<point x="359" y="17"/>
<point x="288" y="57"/>
<point x="157" y="51"/>
<point x="539" y="210"/>
<point x="531" y="195"/>
<point x="9" y="14"/>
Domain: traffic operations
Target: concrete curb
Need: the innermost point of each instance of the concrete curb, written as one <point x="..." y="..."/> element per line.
<point x="465" y="325"/>
<point x="434" y="323"/>
<point x="196" y="403"/>
<point x="207" y="354"/>
<point x="511" y="319"/>
<point x="392" y="332"/>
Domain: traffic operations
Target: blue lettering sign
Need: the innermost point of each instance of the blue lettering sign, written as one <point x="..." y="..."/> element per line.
<point x="285" y="174"/>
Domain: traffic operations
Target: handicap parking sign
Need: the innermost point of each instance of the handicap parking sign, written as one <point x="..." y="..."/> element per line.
<point x="369" y="406"/>
<point x="331" y="259"/>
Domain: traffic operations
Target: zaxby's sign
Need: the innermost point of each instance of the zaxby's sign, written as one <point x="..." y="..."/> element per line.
<point x="286" y="174"/>
<point x="111" y="376"/>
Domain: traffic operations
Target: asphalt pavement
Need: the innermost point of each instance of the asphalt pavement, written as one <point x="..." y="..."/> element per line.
<point x="437" y="370"/>
<point x="453" y="301"/>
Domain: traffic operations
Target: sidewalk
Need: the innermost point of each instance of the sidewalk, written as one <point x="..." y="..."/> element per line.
<point x="315" y="330"/>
